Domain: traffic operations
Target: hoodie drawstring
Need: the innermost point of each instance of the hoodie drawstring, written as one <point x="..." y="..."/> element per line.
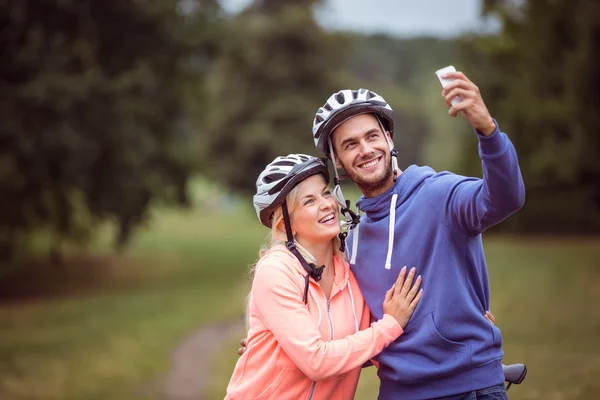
<point x="388" y="260"/>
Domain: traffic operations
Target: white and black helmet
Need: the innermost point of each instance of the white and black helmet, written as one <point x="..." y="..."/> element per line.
<point x="279" y="178"/>
<point x="346" y="104"/>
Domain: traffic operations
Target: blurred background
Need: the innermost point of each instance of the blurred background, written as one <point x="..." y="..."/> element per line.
<point x="132" y="132"/>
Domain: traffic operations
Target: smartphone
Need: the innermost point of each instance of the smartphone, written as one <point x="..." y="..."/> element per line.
<point x="439" y="73"/>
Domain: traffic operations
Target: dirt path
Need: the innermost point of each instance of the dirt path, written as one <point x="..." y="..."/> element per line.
<point x="190" y="361"/>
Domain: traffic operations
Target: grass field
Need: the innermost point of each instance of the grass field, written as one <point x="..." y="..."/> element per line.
<point x="106" y="333"/>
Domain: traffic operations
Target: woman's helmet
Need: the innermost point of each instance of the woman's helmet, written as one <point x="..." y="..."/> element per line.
<point x="279" y="178"/>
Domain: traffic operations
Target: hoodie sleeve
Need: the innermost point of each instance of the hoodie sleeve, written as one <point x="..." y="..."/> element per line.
<point x="472" y="205"/>
<point x="279" y="302"/>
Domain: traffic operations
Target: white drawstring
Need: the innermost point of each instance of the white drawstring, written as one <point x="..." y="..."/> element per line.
<point x="388" y="260"/>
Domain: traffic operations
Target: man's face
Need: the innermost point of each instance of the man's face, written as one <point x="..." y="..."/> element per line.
<point x="363" y="151"/>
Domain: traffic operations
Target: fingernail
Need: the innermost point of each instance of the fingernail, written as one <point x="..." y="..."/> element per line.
<point x="413" y="269"/>
<point x="403" y="269"/>
<point x="419" y="277"/>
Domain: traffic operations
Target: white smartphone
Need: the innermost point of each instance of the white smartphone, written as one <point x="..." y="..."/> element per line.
<point x="444" y="82"/>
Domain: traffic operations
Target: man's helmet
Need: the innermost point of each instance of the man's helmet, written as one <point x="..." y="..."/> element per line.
<point x="344" y="105"/>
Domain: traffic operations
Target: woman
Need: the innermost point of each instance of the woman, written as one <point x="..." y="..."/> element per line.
<point x="309" y="330"/>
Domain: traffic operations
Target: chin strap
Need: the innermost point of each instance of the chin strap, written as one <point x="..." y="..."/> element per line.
<point x="342" y="237"/>
<point x="313" y="271"/>
<point x="352" y="219"/>
<point x="393" y="151"/>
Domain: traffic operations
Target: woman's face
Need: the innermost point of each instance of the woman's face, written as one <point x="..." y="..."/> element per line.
<point x="314" y="218"/>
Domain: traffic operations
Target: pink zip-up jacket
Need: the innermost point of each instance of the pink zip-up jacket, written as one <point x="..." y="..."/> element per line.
<point x="305" y="351"/>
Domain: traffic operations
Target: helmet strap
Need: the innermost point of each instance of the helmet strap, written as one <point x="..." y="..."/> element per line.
<point x="313" y="271"/>
<point x="393" y="151"/>
<point x="351" y="218"/>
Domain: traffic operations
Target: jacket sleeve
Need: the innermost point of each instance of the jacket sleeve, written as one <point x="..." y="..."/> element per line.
<point x="279" y="302"/>
<point x="472" y="205"/>
<point x="364" y="324"/>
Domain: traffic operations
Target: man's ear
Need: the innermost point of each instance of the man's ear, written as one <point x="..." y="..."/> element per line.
<point x="338" y="164"/>
<point x="389" y="138"/>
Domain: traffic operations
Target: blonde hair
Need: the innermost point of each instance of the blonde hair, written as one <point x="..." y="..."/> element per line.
<point x="278" y="236"/>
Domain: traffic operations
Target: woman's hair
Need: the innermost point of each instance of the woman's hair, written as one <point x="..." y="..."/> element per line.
<point x="278" y="236"/>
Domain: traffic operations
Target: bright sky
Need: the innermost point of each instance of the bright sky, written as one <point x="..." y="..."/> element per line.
<point x="398" y="17"/>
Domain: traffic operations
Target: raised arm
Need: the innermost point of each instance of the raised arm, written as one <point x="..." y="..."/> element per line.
<point x="472" y="205"/>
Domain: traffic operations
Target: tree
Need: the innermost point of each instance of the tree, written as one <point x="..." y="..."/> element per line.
<point x="541" y="77"/>
<point x="91" y="107"/>
<point x="276" y="68"/>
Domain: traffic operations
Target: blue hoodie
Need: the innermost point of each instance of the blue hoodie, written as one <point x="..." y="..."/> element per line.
<point x="433" y="221"/>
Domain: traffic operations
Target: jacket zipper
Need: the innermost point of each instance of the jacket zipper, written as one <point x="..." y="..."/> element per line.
<point x="312" y="389"/>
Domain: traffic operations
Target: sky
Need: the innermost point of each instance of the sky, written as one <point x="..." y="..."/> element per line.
<point x="398" y="17"/>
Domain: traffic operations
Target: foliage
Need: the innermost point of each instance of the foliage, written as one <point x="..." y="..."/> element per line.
<point x="91" y="109"/>
<point x="402" y="71"/>
<point x="540" y="78"/>
<point x="276" y="68"/>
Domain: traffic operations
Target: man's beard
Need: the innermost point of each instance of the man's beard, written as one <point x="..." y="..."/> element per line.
<point x="369" y="189"/>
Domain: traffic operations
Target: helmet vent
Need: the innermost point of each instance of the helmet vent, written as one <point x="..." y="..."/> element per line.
<point x="273" y="177"/>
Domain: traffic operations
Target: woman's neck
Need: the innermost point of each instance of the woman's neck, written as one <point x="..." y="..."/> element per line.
<point x="322" y="252"/>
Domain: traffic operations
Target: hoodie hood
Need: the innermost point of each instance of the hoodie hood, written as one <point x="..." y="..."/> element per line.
<point x="379" y="206"/>
<point x="342" y="272"/>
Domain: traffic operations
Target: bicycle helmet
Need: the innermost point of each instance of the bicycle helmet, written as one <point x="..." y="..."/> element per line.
<point x="279" y="178"/>
<point x="344" y="105"/>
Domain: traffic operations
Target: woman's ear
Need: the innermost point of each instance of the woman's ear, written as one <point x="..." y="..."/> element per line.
<point x="281" y="228"/>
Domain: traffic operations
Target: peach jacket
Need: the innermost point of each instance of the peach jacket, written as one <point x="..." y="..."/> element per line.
<point x="305" y="351"/>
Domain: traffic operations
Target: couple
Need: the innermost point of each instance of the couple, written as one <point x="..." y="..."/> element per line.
<point x="312" y="328"/>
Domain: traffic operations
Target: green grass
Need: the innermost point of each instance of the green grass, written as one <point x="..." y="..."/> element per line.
<point x="103" y="327"/>
<point x="109" y="336"/>
<point x="545" y="296"/>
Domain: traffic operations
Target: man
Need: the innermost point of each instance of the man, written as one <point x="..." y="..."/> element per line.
<point x="433" y="221"/>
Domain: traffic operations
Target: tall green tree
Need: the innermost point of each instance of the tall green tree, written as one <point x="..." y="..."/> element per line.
<point x="276" y="68"/>
<point x="91" y="107"/>
<point x="541" y="78"/>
